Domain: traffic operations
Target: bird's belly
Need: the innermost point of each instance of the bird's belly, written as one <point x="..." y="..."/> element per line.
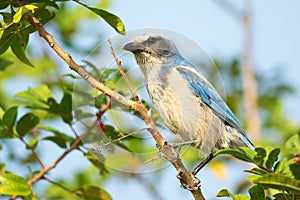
<point x="186" y="116"/>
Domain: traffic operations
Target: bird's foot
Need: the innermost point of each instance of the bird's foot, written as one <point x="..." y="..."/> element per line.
<point x="167" y="152"/>
<point x="184" y="143"/>
<point x="196" y="182"/>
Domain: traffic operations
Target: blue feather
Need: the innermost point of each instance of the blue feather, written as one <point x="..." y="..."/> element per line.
<point x="209" y="96"/>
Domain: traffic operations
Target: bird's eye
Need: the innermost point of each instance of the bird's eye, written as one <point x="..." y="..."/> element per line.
<point x="148" y="52"/>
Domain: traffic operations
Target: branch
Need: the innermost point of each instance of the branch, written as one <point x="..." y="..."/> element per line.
<point x="74" y="146"/>
<point x="53" y="165"/>
<point x="186" y="177"/>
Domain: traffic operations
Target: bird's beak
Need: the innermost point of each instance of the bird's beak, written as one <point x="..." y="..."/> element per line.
<point x="133" y="47"/>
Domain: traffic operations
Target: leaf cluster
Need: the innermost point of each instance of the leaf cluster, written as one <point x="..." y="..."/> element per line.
<point x="15" y="28"/>
<point x="280" y="177"/>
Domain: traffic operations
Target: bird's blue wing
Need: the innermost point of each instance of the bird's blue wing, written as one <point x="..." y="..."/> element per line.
<point x="209" y="96"/>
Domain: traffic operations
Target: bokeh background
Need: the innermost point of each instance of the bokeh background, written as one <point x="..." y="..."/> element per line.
<point x="271" y="39"/>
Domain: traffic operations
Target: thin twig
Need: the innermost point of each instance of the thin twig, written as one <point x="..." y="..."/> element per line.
<point x="135" y="96"/>
<point x="34" y="153"/>
<point x="123" y="137"/>
<point x="58" y="184"/>
<point x="73" y="130"/>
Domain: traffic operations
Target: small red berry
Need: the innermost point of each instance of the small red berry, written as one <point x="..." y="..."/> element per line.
<point x="296" y="155"/>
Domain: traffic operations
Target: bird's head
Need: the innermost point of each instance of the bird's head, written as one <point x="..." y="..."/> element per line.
<point x="151" y="48"/>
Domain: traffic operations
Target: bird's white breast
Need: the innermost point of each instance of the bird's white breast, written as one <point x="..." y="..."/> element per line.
<point x="184" y="113"/>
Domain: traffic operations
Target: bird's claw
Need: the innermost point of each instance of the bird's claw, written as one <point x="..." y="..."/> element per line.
<point x="167" y="152"/>
<point x="196" y="182"/>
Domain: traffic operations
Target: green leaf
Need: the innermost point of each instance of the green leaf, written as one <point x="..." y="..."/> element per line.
<point x="57" y="140"/>
<point x="4" y="4"/>
<point x="257" y="192"/>
<point x="21" y="11"/>
<point x="11" y="184"/>
<point x="6" y="37"/>
<point x="36" y="97"/>
<point x="260" y="156"/>
<point x="292" y="144"/>
<point x="282" y="167"/>
<point x="26" y="123"/>
<point x="44" y="14"/>
<point x="61" y="139"/>
<point x="295" y="168"/>
<point x="32" y="144"/>
<point x="280" y="182"/>
<point x="272" y="158"/>
<point x="241" y="197"/>
<point x="282" y="196"/>
<point x="113" y="20"/>
<point x="53" y="106"/>
<point x="9" y="117"/>
<point x="224" y="193"/>
<point x="5" y="134"/>
<point x="257" y="171"/>
<point x="65" y="108"/>
<point x="17" y="45"/>
<point x="16" y="36"/>
<point x="89" y="192"/>
<point x="238" y="153"/>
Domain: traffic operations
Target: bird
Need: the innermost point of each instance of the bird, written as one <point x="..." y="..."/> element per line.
<point x="188" y="104"/>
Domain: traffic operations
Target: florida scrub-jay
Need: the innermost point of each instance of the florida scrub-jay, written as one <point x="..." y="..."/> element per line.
<point x="187" y="103"/>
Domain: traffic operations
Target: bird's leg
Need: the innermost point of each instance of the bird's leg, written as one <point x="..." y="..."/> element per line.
<point x="168" y="151"/>
<point x="180" y="144"/>
<point x="203" y="163"/>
